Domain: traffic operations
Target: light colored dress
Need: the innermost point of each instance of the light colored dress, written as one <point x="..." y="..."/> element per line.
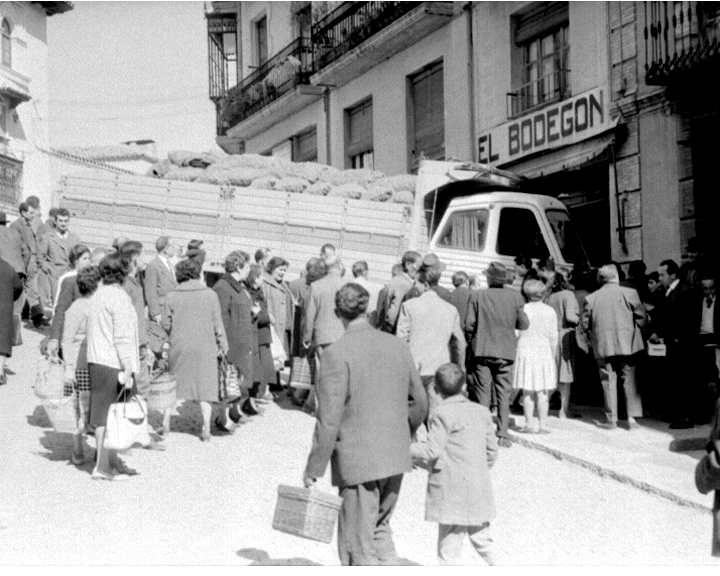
<point x="536" y="360"/>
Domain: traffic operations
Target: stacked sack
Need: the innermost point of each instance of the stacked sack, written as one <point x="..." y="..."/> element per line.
<point x="270" y="173"/>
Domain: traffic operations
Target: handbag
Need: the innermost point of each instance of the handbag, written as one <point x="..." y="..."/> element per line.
<point x="277" y="349"/>
<point x="49" y="378"/>
<point x="63" y="413"/>
<point x="229" y="382"/>
<point x="127" y="423"/>
<point x="301" y="374"/>
<point x="659" y="350"/>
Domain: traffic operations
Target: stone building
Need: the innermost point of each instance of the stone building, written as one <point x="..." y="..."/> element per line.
<point x="24" y="95"/>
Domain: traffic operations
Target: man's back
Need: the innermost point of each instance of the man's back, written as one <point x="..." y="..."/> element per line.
<point x="460" y="298"/>
<point x="11" y="249"/>
<point x="322" y="326"/>
<point x="611" y="315"/>
<point x="365" y="380"/>
<point x="493" y="316"/>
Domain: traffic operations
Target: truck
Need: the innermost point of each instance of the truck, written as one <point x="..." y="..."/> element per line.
<point x="469" y="214"/>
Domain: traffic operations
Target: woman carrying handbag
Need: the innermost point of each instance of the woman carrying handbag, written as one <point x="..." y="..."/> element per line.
<point x="112" y="354"/>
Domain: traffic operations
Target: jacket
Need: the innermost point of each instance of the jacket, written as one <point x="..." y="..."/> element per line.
<point x="493" y="316"/>
<point x="397" y="288"/>
<point x="236" y="311"/>
<point x="362" y="427"/>
<point x="460" y="298"/>
<point x="29" y="240"/>
<point x="159" y="282"/>
<point x="432" y="328"/>
<point x="460" y="449"/>
<point x="280" y="305"/>
<point x="321" y="325"/>
<point x="11" y="249"/>
<point x="613" y="317"/>
<point x="74" y="339"/>
<point x="54" y="252"/>
<point x="69" y="292"/>
<point x="135" y="290"/>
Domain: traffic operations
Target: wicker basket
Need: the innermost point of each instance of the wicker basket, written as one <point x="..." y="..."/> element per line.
<point x="306" y="512"/>
<point x="162" y="394"/>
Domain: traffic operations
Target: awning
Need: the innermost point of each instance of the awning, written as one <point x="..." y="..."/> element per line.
<point x="571" y="157"/>
<point x="13" y="95"/>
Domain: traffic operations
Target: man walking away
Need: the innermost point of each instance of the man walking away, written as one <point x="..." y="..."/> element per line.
<point x="363" y="428"/>
<point x="398" y="287"/>
<point x="613" y="317"/>
<point x="493" y="316"/>
<point x="360" y="274"/>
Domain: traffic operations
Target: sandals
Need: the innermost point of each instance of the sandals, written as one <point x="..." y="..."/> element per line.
<point x="98" y="475"/>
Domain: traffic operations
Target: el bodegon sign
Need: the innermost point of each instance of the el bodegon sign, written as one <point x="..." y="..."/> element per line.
<point x="567" y="122"/>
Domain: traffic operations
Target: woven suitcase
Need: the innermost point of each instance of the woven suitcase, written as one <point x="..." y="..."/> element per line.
<point x="306" y="512"/>
<point x="301" y="374"/>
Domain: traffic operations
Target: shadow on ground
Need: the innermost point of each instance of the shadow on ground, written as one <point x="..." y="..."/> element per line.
<point x="262" y="558"/>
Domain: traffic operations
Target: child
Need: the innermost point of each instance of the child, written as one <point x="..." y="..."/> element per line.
<point x="459" y="494"/>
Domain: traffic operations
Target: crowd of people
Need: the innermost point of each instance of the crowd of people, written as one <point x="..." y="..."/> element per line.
<point x="537" y="330"/>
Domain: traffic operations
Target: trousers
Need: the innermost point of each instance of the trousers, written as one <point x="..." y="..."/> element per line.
<point x="451" y="538"/>
<point x="486" y="375"/>
<point x="364" y="534"/>
<point x="609" y="369"/>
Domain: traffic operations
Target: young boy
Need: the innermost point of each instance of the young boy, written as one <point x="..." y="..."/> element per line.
<point x="459" y="494"/>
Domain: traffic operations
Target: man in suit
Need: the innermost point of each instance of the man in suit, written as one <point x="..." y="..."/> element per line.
<point x="363" y="428"/>
<point x="381" y="311"/>
<point x="492" y="318"/>
<point x="432" y="328"/>
<point x="460" y="297"/>
<point x="360" y="274"/>
<point x="159" y="282"/>
<point x="398" y="287"/>
<point x="55" y="246"/>
<point x="26" y="228"/>
<point x="613" y="317"/>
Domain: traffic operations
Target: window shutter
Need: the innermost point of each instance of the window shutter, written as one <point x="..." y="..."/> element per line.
<point x="360" y="129"/>
<point x="305" y="146"/>
<point x="428" y="114"/>
<point x="540" y="20"/>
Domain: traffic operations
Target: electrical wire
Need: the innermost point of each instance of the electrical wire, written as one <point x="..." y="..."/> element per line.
<point x="128" y="118"/>
<point x="155" y="101"/>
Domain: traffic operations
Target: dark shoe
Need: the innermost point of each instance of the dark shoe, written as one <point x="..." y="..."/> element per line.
<point x="163" y="431"/>
<point x="227" y="429"/>
<point x="249" y="407"/>
<point x="607" y="425"/>
<point x="504" y="442"/>
<point x="683" y="424"/>
<point x="516" y="410"/>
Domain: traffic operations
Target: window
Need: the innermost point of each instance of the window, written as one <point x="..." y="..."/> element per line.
<point x="6" y="43"/>
<point x="465" y="231"/>
<point x="304" y="146"/>
<point x="261" y="51"/>
<point x="541" y="37"/>
<point x="427" y="120"/>
<point x="566" y="236"/>
<point x="520" y="234"/>
<point x="303" y="22"/>
<point x="359" y="136"/>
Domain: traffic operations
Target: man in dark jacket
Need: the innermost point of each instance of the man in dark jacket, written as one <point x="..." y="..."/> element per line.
<point x="460" y="297"/>
<point x="363" y="428"/>
<point x="29" y="244"/>
<point x="493" y="316"/>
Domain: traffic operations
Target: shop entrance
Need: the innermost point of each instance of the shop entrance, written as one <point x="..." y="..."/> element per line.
<point x="585" y="193"/>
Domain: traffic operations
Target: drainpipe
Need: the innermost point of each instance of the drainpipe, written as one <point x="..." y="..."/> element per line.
<point x="328" y="139"/>
<point x="471" y="80"/>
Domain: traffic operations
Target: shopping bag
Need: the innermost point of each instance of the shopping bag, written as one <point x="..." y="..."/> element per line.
<point x="163" y="391"/>
<point x="127" y="424"/>
<point x="301" y="375"/>
<point x="49" y="379"/>
<point x="277" y="349"/>
<point x="63" y="413"/>
<point x="229" y="381"/>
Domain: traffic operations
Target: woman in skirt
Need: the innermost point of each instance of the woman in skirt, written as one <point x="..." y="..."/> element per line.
<point x="263" y="368"/>
<point x="536" y="362"/>
<point x="74" y="346"/>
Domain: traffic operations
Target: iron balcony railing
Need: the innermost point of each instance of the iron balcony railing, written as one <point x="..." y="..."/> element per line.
<point x="680" y="37"/>
<point x="350" y="25"/>
<point x="275" y="77"/>
<point x="549" y="88"/>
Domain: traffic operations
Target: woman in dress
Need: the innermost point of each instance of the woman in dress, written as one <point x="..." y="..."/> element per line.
<point x="192" y="319"/>
<point x="74" y="347"/>
<point x="279" y="300"/>
<point x="263" y="369"/>
<point x="112" y="355"/>
<point x="562" y="299"/>
<point x="535" y="370"/>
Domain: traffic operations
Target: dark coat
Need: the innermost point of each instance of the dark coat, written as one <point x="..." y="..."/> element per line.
<point x="460" y="298"/>
<point x="11" y="249"/>
<point x="10" y="290"/>
<point x="366" y="378"/>
<point x="264" y="369"/>
<point x="493" y="316"/>
<point x="236" y="309"/>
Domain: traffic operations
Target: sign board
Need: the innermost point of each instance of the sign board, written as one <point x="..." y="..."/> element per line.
<point x="563" y="123"/>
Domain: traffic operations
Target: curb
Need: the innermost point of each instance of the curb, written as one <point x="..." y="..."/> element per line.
<point x="608" y="473"/>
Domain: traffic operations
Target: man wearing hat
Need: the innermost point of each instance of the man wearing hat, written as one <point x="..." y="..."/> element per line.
<point x="493" y="316"/>
<point x="429" y="262"/>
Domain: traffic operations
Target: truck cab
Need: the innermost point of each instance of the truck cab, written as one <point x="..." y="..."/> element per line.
<point x="474" y="214"/>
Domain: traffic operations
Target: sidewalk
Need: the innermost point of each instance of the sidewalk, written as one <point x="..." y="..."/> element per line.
<point x="654" y="458"/>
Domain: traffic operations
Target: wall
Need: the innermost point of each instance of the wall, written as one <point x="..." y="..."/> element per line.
<point x="30" y="59"/>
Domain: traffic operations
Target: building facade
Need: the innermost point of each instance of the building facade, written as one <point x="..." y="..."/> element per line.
<point x="24" y="91"/>
<point x="353" y="85"/>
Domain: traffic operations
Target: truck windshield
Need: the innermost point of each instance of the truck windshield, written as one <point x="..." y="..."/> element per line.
<point x="566" y="236"/>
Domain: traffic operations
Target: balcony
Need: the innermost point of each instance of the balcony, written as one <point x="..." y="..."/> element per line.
<point x="359" y="35"/>
<point x="550" y="88"/>
<point x="15" y="87"/>
<point x="286" y="73"/>
<point x="682" y="39"/>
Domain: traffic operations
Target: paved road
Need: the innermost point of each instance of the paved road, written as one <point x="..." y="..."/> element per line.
<point x="213" y="503"/>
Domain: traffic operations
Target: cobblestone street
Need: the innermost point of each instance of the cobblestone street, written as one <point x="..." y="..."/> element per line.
<point x="213" y="503"/>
